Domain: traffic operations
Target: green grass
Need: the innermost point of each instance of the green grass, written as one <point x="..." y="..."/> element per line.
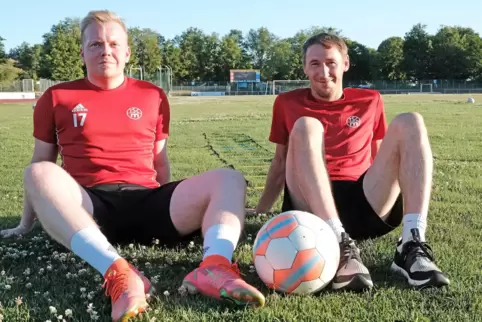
<point x="217" y="132"/>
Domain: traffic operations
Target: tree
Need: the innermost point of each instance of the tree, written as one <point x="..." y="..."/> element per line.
<point x="258" y="43"/>
<point x="454" y="52"/>
<point x="8" y="72"/>
<point x="230" y="56"/>
<point x="195" y="47"/>
<point x="171" y="56"/>
<point x="278" y="62"/>
<point x="3" y="55"/>
<point x="418" y="53"/>
<point x="457" y="53"/>
<point x="27" y="58"/>
<point x="61" y="52"/>
<point x="390" y="59"/>
<point x="362" y="62"/>
<point x="145" y="50"/>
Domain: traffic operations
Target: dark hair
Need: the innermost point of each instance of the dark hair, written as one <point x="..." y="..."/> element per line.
<point x="327" y="40"/>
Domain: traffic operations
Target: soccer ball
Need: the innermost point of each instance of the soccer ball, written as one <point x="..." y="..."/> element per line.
<point x="471" y="100"/>
<point x="296" y="252"/>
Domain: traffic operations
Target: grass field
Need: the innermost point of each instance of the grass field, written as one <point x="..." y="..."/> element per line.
<point x="37" y="275"/>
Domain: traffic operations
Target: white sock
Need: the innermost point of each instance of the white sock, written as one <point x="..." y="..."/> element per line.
<point x="337" y="227"/>
<point x="221" y="240"/>
<point x="411" y="221"/>
<point x="92" y="246"/>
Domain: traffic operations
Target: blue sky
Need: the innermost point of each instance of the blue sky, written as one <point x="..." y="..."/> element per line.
<point x="369" y="21"/>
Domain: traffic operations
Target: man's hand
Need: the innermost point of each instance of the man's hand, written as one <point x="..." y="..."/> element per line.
<point x="21" y="229"/>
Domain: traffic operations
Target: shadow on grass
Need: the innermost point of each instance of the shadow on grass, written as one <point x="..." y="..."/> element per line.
<point x="9" y="222"/>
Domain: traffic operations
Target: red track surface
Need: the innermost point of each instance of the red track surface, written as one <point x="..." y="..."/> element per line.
<point x="5" y="101"/>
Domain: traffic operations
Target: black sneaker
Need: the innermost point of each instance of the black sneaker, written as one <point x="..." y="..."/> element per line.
<point x="352" y="274"/>
<point x="417" y="264"/>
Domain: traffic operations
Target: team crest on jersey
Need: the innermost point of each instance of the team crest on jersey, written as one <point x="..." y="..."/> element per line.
<point x="353" y="121"/>
<point x="134" y="113"/>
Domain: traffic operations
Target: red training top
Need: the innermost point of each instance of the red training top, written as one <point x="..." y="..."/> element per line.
<point x="350" y="124"/>
<point x="104" y="136"/>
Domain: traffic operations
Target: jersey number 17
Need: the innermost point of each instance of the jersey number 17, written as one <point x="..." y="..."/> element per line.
<point x="80" y="116"/>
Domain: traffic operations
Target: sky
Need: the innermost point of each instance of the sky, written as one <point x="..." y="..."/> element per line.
<point x="368" y="22"/>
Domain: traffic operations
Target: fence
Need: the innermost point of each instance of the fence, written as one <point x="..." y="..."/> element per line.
<point x="24" y="85"/>
<point x="164" y="79"/>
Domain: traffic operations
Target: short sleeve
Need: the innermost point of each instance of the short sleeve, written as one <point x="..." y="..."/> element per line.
<point x="44" y="119"/>
<point x="380" y="124"/>
<point x="279" y="132"/>
<point x="162" y="128"/>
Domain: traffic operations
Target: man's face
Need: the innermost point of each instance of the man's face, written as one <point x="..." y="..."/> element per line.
<point x="324" y="67"/>
<point x="105" y="50"/>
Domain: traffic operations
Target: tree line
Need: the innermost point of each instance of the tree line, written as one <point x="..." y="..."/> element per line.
<point x="453" y="52"/>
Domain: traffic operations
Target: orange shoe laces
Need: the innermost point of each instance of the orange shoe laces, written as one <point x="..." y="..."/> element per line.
<point x="115" y="284"/>
<point x="235" y="269"/>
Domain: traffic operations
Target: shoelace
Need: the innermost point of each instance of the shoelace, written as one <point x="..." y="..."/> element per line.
<point x="235" y="269"/>
<point x="419" y="249"/>
<point x="115" y="284"/>
<point x="227" y="272"/>
<point x="349" y="250"/>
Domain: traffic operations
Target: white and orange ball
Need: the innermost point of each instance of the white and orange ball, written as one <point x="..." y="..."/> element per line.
<point x="296" y="252"/>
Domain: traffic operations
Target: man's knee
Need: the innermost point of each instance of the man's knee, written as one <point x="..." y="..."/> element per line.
<point x="307" y="125"/>
<point x="306" y="128"/>
<point x="37" y="174"/>
<point x="227" y="177"/>
<point x="409" y="123"/>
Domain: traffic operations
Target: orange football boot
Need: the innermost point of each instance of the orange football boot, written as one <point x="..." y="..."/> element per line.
<point x="218" y="278"/>
<point x="126" y="288"/>
<point x="148" y="287"/>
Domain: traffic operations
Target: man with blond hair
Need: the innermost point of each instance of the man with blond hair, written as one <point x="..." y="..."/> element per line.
<point x="114" y="183"/>
<point x="337" y="158"/>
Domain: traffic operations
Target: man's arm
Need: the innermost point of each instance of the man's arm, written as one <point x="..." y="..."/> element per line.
<point x="43" y="151"/>
<point x="161" y="162"/>
<point x="275" y="180"/>
<point x="375" y="147"/>
<point x="380" y="127"/>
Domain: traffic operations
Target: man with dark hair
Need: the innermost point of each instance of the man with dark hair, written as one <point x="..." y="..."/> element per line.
<point x="336" y="157"/>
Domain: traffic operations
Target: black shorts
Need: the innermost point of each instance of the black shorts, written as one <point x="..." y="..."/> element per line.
<point x="359" y="219"/>
<point x="135" y="214"/>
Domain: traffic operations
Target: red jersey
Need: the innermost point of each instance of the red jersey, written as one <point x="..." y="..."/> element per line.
<point x="104" y="136"/>
<point x="350" y="123"/>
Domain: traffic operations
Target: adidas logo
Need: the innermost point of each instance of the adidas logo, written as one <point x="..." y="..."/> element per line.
<point x="79" y="108"/>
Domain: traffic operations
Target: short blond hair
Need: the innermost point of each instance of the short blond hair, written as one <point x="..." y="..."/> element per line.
<point x="100" y="17"/>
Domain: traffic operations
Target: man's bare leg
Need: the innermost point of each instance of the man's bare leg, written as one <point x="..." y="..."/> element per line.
<point x="306" y="175"/>
<point x="310" y="190"/>
<point x="404" y="164"/>
<point x="215" y="202"/>
<point x="65" y="211"/>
